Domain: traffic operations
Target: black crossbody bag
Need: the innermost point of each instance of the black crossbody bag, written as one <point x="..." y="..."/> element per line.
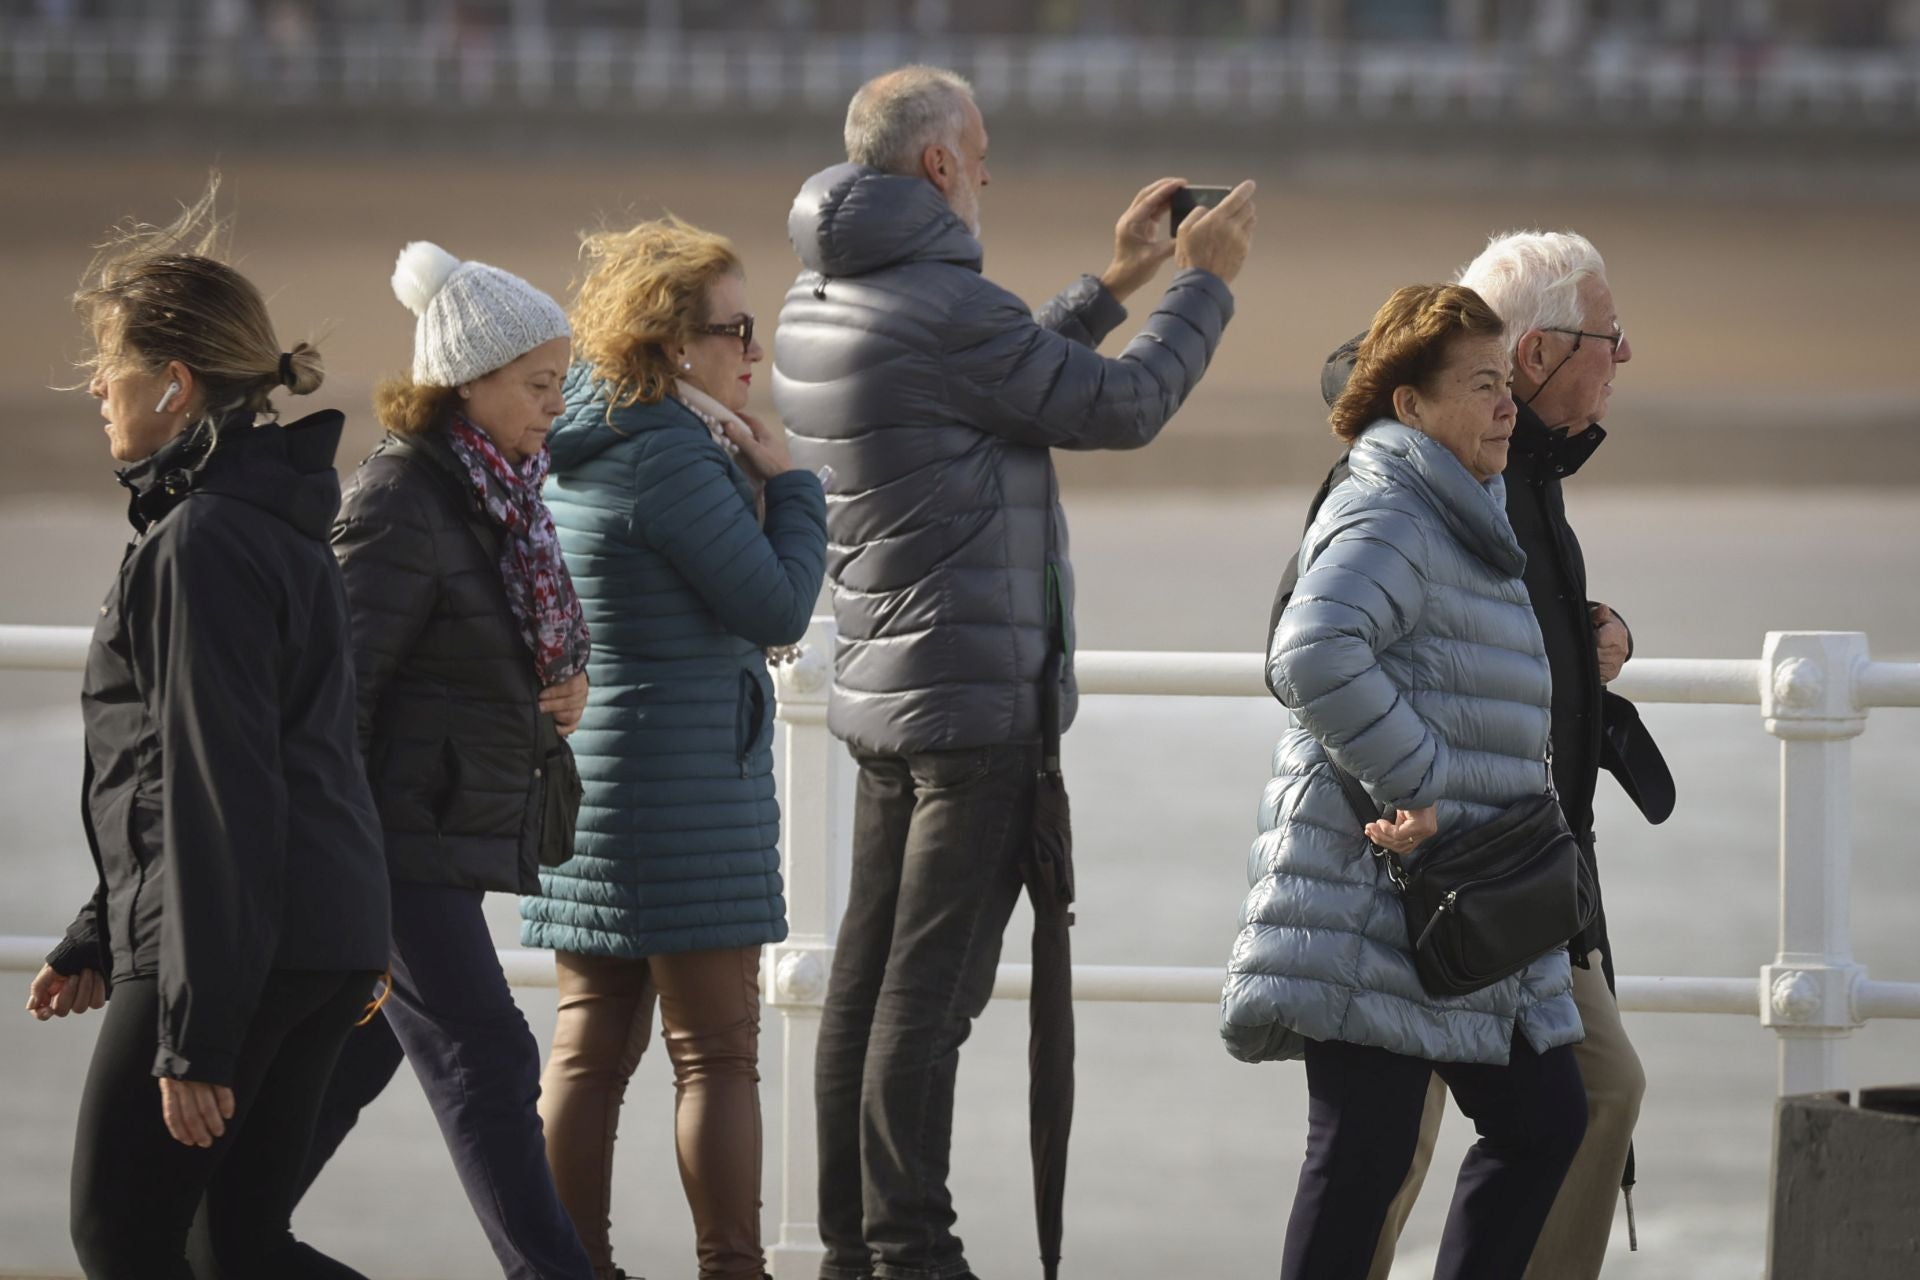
<point x="1486" y="903"/>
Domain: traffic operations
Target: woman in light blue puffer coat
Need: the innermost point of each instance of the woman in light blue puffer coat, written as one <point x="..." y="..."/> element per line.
<point x="1409" y="655"/>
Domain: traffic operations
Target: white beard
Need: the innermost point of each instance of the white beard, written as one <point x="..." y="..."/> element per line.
<point x="966" y="206"/>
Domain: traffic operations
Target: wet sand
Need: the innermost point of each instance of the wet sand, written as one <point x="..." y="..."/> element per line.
<point x="1772" y="332"/>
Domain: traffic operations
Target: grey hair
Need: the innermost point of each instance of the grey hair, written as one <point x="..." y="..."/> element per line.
<point x="1532" y="279"/>
<point x="895" y="117"/>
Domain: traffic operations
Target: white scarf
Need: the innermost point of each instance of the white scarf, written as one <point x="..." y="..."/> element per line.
<point x="710" y="411"/>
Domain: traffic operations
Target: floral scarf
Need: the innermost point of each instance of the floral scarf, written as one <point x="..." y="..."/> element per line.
<point x="539" y="589"/>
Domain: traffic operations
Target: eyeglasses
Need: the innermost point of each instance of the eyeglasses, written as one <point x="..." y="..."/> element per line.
<point x="741" y="329"/>
<point x="1613" y="339"/>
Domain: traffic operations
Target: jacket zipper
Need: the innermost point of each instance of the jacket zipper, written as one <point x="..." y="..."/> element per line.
<point x="1446" y="905"/>
<point x="1453" y="895"/>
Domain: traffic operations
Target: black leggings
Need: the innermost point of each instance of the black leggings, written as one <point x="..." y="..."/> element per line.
<point x="137" y="1191"/>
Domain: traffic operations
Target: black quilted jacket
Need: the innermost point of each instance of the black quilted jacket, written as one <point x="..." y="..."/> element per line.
<point x="448" y="698"/>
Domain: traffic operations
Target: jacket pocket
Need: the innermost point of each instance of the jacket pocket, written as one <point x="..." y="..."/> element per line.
<point x="751" y="721"/>
<point x="447" y="794"/>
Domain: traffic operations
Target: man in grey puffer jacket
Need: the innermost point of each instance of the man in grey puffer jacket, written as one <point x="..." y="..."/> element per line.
<point x="932" y="397"/>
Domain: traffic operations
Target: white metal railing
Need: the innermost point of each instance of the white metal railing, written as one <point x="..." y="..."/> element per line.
<point x="1814" y="690"/>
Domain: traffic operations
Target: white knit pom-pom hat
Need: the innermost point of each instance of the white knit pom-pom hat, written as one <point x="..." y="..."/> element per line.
<point x="473" y="318"/>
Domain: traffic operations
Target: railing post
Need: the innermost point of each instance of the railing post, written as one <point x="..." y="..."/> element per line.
<point x="1808" y="698"/>
<point x="816" y="807"/>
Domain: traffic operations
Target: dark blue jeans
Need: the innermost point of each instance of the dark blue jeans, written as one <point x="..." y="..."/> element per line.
<point x="937" y="844"/>
<point x="453" y="1016"/>
<point x="1363" y="1121"/>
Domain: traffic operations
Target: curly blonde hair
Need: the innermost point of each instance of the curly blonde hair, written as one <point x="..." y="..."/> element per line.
<point x="157" y="294"/>
<point x="645" y="288"/>
<point x="1408" y="342"/>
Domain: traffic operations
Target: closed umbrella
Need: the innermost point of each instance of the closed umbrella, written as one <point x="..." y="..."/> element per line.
<point x="1049" y="878"/>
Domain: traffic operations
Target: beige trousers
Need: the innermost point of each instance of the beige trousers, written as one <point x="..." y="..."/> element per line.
<point x="710" y="1007"/>
<point x="1573" y="1244"/>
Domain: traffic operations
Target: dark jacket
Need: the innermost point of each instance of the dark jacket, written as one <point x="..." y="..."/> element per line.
<point x="1556" y="579"/>
<point x="225" y="800"/>
<point x="934" y="395"/>
<point x="677" y="847"/>
<point x="449" y="715"/>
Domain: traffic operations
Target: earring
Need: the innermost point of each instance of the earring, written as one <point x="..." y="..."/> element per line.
<point x="465" y="394"/>
<point x="687" y="365"/>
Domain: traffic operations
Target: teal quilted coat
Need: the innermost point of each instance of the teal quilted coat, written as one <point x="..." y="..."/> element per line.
<point x="683" y="586"/>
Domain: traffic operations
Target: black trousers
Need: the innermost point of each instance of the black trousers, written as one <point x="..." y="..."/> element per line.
<point x="453" y="1017"/>
<point x="1363" y="1121"/>
<point x="937" y="845"/>
<point x="137" y="1191"/>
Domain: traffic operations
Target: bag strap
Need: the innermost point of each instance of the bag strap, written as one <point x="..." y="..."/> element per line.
<point x="1367" y="811"/>
<point x="1357" y="798"/>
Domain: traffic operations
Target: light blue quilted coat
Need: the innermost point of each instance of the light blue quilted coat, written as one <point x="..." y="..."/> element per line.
<point x="677" y="848"/>
<point x="1411" y="654"/>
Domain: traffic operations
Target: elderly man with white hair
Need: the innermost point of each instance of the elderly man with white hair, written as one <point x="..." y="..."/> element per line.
<point x="1551" y="290"/>
<point x="935" y="398"/>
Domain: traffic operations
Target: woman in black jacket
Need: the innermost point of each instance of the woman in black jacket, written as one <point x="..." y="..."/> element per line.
<point x="241" y="913"/>
<point x="471" y="651"/>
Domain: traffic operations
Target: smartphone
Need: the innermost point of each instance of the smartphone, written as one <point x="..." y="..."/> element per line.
<point x="1187" y="199"/>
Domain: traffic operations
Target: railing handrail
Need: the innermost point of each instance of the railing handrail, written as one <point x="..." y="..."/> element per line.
<point x="1209" y="674"/>
<point x="1198" y="984"/>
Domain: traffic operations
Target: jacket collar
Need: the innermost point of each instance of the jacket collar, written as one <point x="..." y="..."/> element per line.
<point x="286" y="469"/>
<point x="590" y="424"/>
<point x="157" y="484"/>
<point x="1555" y="451"/>
<point x="1475" y="513"/>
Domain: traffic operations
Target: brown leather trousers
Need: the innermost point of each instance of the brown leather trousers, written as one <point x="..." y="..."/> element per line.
<point x="710" y="1009"/>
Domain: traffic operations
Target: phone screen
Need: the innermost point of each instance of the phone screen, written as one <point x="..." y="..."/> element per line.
<point x="1187" y="199"/>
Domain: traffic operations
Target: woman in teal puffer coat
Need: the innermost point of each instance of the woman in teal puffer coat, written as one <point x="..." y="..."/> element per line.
<point x="696" y="546"/>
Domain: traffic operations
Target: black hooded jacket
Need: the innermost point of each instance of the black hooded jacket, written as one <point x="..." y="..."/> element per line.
<point x="225" y="799"/>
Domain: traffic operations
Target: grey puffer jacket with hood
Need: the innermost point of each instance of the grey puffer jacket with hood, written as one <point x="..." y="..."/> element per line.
<point x="1409" y="652"/>
<point x="933" y="396"/>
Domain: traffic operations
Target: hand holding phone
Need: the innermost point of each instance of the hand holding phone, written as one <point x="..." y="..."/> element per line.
<point x="1187" y="199"/>
<point x="1141" y="242"/>
<point x="1216" y="236"/>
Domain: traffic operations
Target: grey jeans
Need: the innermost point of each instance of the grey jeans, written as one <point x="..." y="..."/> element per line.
<point x="937" y="848"/>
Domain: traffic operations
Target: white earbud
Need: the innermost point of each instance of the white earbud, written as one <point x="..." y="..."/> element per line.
<point x="173" y="389"/>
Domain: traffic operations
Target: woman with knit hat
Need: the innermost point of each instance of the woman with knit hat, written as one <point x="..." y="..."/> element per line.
<point x="700" y="547"/>
<point x="470" y="649"/>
